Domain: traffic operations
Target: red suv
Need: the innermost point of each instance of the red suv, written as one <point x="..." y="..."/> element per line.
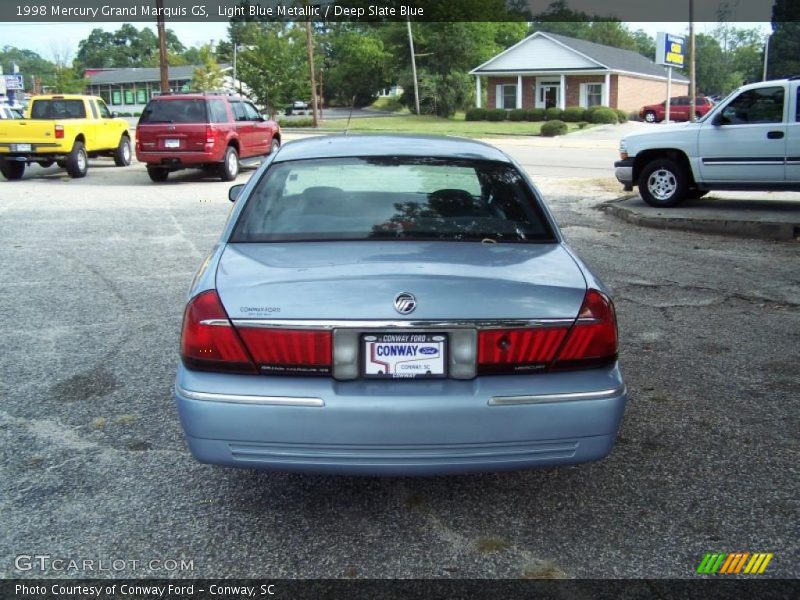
<point x="208" y="131"/>
<point x="679" y="108"/>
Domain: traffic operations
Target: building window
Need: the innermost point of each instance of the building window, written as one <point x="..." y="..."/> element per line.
<point x="129" y="97"/>
<point x="594" y="94"/>
<point x="506" y="96"/>
<point x="141" y="96"/>
<point x="116" y="97"/>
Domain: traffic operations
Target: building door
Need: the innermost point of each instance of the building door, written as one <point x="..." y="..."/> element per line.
<point x="548" y="93"/>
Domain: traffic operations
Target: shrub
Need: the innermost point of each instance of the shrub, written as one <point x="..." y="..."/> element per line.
<point x="534" y="114"/>
<point x="475" y="114"/>
<point x="582" y="125"/>
<point x="496" y="114"/>
<point x="308" y="122"/>
<point x="604" y="115"/>
<point x="554" y="128"/>
<point x="622" y="116"/>
<point x="518" y="114"/>
<point x="573" y="114"/>
<point x="137" y="114"/>
<point x="553" y="113"/>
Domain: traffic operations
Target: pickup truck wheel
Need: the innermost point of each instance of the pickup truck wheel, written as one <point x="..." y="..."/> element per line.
<point x="12" y="170"/>
<point x="663" y="183"/>
<point x="650" y="116"/>
<point x="122" y="155"/>
<point x="229" y="168"/>
<point x="77" y="161"/>
<point x="157" y="175"/>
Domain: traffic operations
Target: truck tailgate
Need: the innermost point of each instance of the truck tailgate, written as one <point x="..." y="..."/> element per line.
<point x="26" y="131"/>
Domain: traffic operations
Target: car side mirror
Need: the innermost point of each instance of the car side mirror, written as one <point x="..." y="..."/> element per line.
<point x="114" y="115"/>
<point x="234" y="191"/>
<point x="719" y="119"/>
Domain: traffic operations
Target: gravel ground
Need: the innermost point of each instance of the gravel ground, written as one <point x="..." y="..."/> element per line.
<point x="94" y="465"/>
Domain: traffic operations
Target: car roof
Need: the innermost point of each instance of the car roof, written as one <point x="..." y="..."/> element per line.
<point x="195" y="96"/>
<point x="343" y="145"/>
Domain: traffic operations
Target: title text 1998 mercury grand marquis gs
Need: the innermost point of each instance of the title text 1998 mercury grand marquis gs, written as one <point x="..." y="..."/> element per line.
<point x="395" y="306"/>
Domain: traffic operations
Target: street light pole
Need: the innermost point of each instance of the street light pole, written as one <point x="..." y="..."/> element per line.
<point x="766" y="56"/>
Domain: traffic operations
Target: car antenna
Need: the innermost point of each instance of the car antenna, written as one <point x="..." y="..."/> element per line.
<point x="350" y="116"/>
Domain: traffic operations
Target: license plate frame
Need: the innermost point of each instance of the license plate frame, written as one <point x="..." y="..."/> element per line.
<point x="413" y="363"/>
<point x="21" y="148"/>
<point x="172" y="144"/>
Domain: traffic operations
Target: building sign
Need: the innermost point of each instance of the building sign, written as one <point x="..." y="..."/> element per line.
<point x="670" y="49"/>
<point x="14" y="82"/>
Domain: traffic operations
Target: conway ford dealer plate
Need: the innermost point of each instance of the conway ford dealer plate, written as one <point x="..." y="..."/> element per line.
<point x="404" y="355"/>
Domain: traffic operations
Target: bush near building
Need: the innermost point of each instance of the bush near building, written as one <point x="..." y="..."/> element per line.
<point x="475" y="114"/>
<point x="518" y="114"/>
<point x="622" y="116"/>
<point x="553" y="113"/>
<point x="604" y="116"/>
<point x="534" y="114"/>
<point x="574" y="114"/>
<point x="554" y="127"/>
<point x="496" y="114"/>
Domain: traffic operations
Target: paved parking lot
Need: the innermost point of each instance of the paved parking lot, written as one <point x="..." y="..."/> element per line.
<point x="94" y="466"/>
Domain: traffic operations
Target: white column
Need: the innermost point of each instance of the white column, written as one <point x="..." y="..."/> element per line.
<point x="562" y="93"/>
<point x="607" y="90"/>
<point x="519" y="91"/>
<point x="478" y="91"/>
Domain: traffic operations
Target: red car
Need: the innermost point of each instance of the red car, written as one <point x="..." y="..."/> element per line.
<point x="679" y="108"/>
<point x="208" y="131"/>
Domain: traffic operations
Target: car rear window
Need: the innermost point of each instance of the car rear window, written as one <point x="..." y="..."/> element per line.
<point x="58" y="109"/>
<point x="175" y="111"/>
<point x="392" y="199"/>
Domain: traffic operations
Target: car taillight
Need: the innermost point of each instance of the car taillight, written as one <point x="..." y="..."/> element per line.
<point x="59" y="132"/>
<point x="208" y="340"/>
<point x="592" y="340"/>
<point x="289" y="351"/>
<point x="518" y="350"/>
<point x="209" y="135"/>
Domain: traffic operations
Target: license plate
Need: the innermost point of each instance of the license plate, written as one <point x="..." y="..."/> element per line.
<point x="21" y="147"/>
<point x="172" y="144"/>
<point x="404" y="355"/>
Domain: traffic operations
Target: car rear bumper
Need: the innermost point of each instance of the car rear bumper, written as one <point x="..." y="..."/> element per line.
<point x="179" y="160"/>
<point x="400" y="427"/>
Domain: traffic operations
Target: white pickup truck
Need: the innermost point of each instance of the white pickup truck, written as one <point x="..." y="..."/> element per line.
<point x="749" y="141"/>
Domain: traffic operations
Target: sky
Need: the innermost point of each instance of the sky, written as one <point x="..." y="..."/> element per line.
<point x="48" y="38"/>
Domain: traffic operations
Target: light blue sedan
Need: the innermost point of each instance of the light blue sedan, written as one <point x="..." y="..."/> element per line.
<point x="390" y="305"/>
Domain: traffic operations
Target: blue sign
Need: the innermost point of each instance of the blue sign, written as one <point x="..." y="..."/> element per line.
<point x="670" y="49"/>
<point x="14" y="82"/>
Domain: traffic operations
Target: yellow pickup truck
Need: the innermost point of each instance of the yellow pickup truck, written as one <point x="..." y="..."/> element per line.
<point x="67" y="129"/>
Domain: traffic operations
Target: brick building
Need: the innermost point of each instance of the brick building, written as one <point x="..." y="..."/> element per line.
<point x="547" y="69"/>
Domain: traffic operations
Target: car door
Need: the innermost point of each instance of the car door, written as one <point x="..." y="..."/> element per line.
<point x="262" y="132"/>
<point x="679" y="108"/>
<point x="793" y="142"/>
<point x="745" y="140"/>
<point x="244" y="128"/>
<point x="107" y="133"/>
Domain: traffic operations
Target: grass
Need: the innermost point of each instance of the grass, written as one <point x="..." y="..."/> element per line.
<point x="390" y="104"/>
<point x="435" y="125"/>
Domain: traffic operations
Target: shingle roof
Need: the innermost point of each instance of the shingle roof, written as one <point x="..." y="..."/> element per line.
<point x="617" y="59"/>
<point x="137" y="74"/>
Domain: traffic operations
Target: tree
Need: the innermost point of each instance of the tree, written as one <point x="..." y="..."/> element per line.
<point x="356" y="64"/>
<point x="65" y="79"/>
<point x="29" y="62"/>
<point x="275" y="64"/>
<point x="784" y="47"/>
<point x="207" y="75"/>
<point x="125" y="47"/>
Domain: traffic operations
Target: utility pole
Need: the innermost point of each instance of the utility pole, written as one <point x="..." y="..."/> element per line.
<point x="413" y="64"/>
<point x="310" y="48"/>
<point x="692" y="72"/>
<point x="162" y="47"/>
<point x="766" y="57"/>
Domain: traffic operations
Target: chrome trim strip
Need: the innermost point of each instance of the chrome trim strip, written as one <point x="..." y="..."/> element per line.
<point x="216" y="322"/>
<point x="729" y="163"/>
<point x="377" y="324"/>
<point x="549" y="398"/>
<point x="239" y="399"/>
